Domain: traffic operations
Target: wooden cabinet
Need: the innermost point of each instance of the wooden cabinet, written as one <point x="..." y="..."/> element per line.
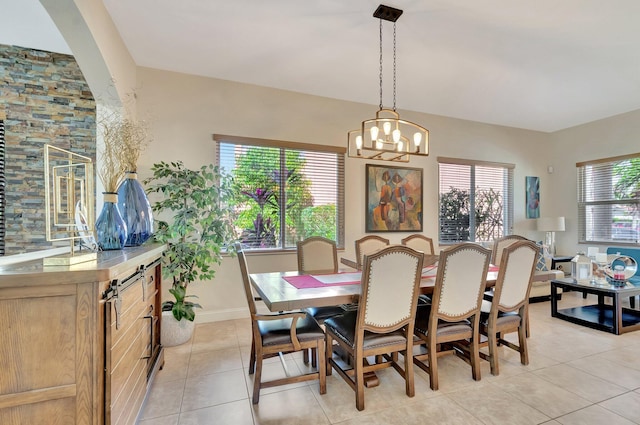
<point x="80" y="344"/>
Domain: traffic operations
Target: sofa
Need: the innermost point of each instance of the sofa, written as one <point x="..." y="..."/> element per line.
<point x="541" y="282"/>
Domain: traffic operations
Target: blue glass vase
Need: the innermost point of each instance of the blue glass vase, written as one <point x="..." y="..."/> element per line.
<point x="136" y="210"/>
<point x="111" y="230"/>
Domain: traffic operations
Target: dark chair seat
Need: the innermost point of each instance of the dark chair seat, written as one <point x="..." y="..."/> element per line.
<point x="323" y="313"/>
<point x="276" y="332"/>
<point x="505" y="320"/>
<point x="444" y="327"/>
<point x="344" y="327"/>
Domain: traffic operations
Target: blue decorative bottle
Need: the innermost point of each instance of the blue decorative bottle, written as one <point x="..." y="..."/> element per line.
<point x="135" y="209"/>
<point x="111" y="230"/>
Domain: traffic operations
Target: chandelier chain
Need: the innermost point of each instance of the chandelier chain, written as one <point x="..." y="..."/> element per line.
<point x="394" y="66"/>
<point x="380" y="63"/>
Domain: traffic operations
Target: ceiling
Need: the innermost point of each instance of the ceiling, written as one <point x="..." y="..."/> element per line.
<point x="542" y="65"/>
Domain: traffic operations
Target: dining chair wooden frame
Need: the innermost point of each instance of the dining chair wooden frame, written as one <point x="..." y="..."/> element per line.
<point x="318" y="255"/>
<point x="454" y="314"/>
<point x="419" y="243"/>
<point x="382" y="326"/>
<point x="508" y="310"/>
<point x="277" y="333"/>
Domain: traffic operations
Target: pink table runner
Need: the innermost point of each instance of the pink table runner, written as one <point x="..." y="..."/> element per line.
<point x="320" y="281"/>
<point x="349" y="278"/>
<point x="432" y="271"/>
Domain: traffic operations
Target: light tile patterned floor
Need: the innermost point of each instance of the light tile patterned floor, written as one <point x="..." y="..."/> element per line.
<point x="575" y="376"/>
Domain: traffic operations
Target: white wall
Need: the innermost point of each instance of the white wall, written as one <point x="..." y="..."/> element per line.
<point x="185" y="111"/>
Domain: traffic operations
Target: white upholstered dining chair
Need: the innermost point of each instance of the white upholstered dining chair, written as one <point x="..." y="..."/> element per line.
<point x="383" y="324"/>
<point x="454" y="313"/>
<point x="419" y="243"/>
<point x="507" y="311"/>
<point x="367" y="245"/>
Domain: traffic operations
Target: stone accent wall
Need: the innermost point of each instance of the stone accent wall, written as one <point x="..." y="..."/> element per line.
<point x="44" y="99"/>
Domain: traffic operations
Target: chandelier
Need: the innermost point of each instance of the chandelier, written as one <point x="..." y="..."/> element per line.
<point x="387" y="137"/>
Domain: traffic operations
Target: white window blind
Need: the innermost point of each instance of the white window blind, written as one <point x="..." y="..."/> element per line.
<point x="285" y="192"/>
<point x="609" y="200"/>
<point x="476" y="200"/>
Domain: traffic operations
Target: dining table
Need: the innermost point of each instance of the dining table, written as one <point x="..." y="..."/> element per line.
<point x="291" y="290"/>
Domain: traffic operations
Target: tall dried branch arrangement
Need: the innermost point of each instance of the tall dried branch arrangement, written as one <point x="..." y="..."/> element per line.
<point x="135" y="139"/>
<point x="124" y="139"/>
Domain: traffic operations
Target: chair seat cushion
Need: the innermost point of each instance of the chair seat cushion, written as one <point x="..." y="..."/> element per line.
<point x="444" y="328"/>
<point x="276" y="332"/>
<point x="344" y="326"/>
<point x="323" y="313"/>
<point x="505" y="320"/>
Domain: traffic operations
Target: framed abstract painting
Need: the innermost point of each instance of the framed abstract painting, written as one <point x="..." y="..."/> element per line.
<point x="532" y="196"/>
<point x="393" y="199"/>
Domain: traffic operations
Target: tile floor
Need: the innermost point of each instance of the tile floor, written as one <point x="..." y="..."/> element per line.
<point x="575" y="376"/>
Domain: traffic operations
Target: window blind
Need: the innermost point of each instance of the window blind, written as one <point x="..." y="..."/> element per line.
<point x="609" y="199"/>
<point x="475" y="200"/>
<point x="285" y="192"/>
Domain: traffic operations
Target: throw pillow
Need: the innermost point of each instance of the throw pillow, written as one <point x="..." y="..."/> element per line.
<point x="541" y="264"/>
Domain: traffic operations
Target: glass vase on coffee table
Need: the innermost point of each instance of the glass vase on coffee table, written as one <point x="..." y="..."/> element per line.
<point x="599" y="277"/>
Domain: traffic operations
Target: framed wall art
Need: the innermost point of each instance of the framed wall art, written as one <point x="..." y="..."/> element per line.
<point x="393" y="199"/>
<point x="532" y="196"/>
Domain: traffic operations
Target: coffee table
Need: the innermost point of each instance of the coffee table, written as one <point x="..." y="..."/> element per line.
<point x="608" y="317"/>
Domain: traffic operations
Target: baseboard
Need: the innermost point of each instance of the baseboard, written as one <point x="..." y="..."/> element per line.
<point x="218" y="316"/>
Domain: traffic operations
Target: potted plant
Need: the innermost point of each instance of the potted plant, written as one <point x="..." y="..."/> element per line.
<point x="194" y="223"/>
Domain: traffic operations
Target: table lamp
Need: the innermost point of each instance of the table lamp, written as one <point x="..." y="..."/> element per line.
<point x="551" y="225"/>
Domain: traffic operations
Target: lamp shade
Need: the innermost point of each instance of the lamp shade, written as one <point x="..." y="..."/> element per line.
<point x="550" y="224"/>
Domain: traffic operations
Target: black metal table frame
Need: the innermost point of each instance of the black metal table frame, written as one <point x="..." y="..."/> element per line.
<point x="601" y="316"/>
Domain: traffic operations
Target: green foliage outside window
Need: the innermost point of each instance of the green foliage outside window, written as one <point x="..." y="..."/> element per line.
<point x="455" y="221"/>
<point x="258" y="178"/>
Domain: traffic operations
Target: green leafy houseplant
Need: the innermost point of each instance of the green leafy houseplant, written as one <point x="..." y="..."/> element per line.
<point x="198" y="230"/>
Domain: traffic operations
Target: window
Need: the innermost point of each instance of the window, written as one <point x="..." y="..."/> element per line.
<point x="284" y="192"/>
<point x="608" y="200"/>
<point x="484" y="188"/>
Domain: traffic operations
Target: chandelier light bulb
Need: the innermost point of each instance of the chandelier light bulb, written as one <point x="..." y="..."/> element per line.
<point x="374" y="132"/>
<point x="396" y="135"/>
<point x="387" y="128"/>
<point x="417" y="138"/>
<point x="359" y="142"/>
<point x="400" y="144"/>
<point x="378" y="144"/>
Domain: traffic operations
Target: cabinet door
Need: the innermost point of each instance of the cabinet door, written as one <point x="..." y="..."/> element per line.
<point x="127" y="341"/>
<point x="47" y="337"/>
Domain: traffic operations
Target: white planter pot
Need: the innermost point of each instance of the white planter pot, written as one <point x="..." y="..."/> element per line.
<point x="175" y="332"/>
